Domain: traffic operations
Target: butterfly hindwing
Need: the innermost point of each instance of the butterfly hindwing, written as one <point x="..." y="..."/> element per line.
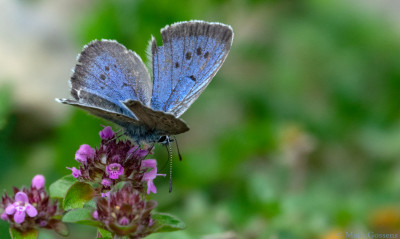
<point x="164" y="123"/>
<point x="108" y="69"/>
<point x="191" y="55"/>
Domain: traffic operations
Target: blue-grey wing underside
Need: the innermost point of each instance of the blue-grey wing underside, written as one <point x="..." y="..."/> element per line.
<point x="191" y="55"/>
<point x="107" y="69"/>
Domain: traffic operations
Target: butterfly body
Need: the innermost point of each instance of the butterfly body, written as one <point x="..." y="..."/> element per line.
<point x="113" y="83"/>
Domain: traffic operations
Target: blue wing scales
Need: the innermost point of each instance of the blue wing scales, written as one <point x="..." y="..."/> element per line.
<point x="108" y="69"/>
<point x="190" y="57"/>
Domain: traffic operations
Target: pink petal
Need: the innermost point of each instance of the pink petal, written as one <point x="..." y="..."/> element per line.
<point x="10" y="209"/>
<point x="107" y="133"/>
<point x="151" y="187"/>
<point x="124" y="221"/>
<point x="133" y="149"/>
<point x="106" y="182"/>
<point x="4" y="216"/>
<point x="105" y="195"/>
<point x="141" y="153"/>
<point x="114" y="170"/>
<point x="84" y="152"/>
<point x="113" y="175"/>
<point x="31" y="210"/>
<point x="95" y="215"/>
<point x="38" y="181"/>
<point x="152" y="174"/>
<point x="21" y="197"/>
<point x="76" y="173"/>
<point x="149" y="163"/>
<point x="19" y="217"/>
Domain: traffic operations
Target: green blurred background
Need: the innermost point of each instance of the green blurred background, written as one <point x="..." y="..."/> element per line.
<point x="298" y="135"/>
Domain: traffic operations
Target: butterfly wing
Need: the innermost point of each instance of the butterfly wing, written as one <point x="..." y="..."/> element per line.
<point x="105" y="109"/>
<point x="191" y="55"/>
<point x="107" y="69"/>
<point x="102" y="112"/>
<point x="164" y="123"/>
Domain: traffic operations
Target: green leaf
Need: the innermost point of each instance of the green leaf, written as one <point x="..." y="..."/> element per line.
<point x="167" y="223"/>
<point x="77" y="195"/>
<point x="81" y="216"/>
<point x="31" y="234"/>
<point x="104" y="233"/>
<point x="59" y="188"/>
<point x="91" y="204"/>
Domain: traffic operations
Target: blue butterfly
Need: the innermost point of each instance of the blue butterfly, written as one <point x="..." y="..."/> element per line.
<point x="113" y="83"/>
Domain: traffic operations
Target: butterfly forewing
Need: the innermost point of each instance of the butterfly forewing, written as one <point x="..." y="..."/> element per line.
<point x="108" y="69"/>
<point x="191" y="55"/>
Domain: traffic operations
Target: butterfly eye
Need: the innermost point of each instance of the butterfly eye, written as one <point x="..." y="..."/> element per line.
<point x="162" y="139"/>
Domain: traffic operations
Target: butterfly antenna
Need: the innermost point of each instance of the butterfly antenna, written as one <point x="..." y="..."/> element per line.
<point x="177" y="148"/>
<point x="170" y="164"/>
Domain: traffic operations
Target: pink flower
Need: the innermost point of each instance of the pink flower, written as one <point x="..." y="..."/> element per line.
<point x="150" y="175"/>
<point x="114" y="170"/>
<point x="84" y="152"/>
<point x="4" y="216"/>
<point x="137" y="152"/>
<point x="20" y="208"/>
<point x="38" y="181"/>
<point x="76" y="173"/>
<point x="105" y="195"/>
<point x="107" y="133"/>
<point x="106" y="182"/>
<point x="124" y="221"/>
<point x="95" y="215"/>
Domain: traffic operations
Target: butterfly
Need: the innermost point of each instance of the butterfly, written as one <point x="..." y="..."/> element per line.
<point x="112" y="82"/>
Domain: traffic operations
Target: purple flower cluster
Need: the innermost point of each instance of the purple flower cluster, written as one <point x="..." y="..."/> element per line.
<point x="115" y="161"/>
<point x="31" y="208"/>
<point x="125" y="212"/>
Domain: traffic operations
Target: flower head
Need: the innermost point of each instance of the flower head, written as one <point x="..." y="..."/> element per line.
<point x="31" y="207"/>
<point x="113" y="161"/>
<point x="125" y="212"/>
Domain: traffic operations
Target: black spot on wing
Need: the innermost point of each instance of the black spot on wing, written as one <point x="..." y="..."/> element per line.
<point x="198" y="51"/>
<point x="107" y="68"/>
<point x="103" y="77"/>
<point x="176" y="64"/>
<point x="188" y="55"/>
<point x="206" y="54"/>
<point x="192" y="78"/>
